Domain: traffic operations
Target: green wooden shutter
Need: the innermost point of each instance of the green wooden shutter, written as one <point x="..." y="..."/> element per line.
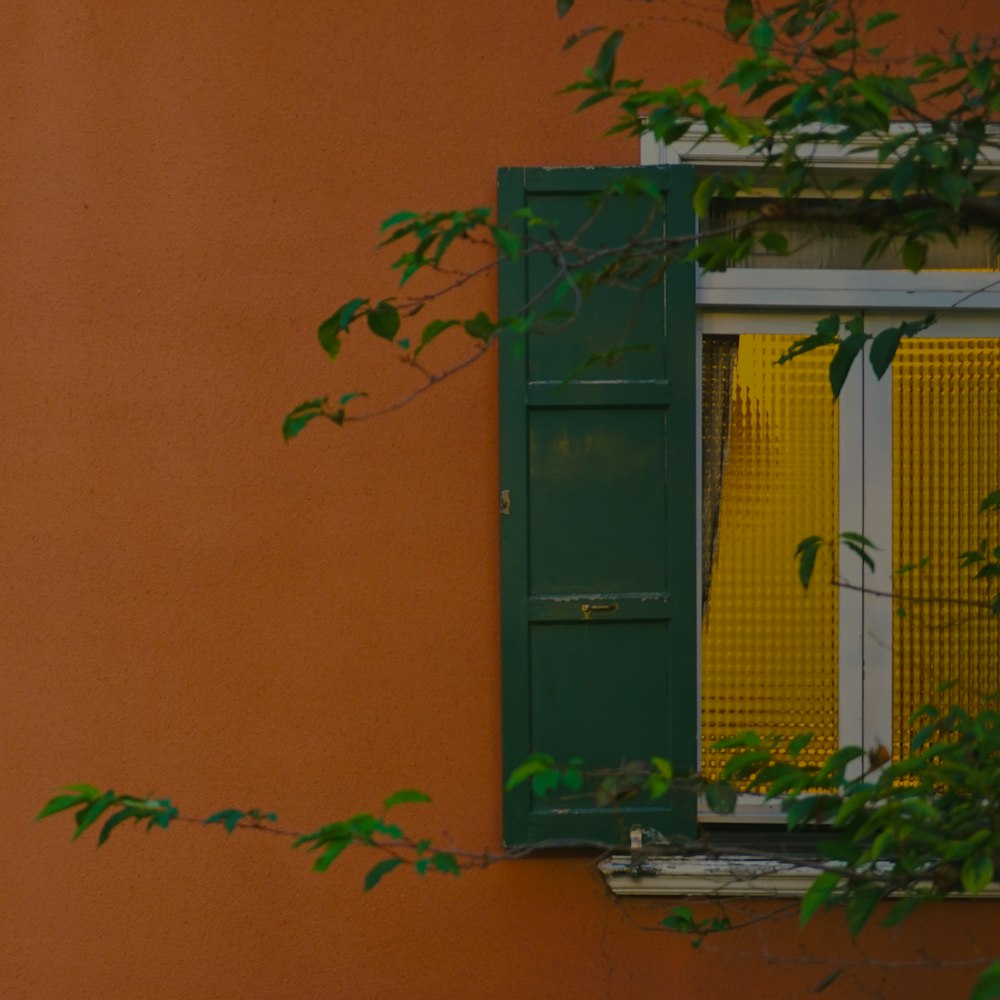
<point x="600" y="474"/>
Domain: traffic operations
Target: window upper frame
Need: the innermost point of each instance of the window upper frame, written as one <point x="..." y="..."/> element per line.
<point x="791" y="288"/>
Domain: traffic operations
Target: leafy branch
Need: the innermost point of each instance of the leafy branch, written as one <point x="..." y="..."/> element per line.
<point x="985" y="560"/>
<point x="809" y="75"/>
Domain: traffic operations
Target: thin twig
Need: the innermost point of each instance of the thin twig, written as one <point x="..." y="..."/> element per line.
<point x="896" y="596"/>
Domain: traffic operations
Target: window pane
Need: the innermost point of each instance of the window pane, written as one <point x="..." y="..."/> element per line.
<point x="839" y="245"/>
<point x="946" y="458"/>
<point x="769" y="648"/>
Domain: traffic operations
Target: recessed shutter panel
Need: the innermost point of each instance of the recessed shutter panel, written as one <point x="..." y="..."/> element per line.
<point x="598" y="542"/>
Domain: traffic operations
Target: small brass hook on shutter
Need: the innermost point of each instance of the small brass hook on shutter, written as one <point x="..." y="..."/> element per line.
<point x="588" y="609"/>
<point x="505" y="502"/>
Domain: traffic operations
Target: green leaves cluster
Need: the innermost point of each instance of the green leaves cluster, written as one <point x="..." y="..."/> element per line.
<point x="809" y="548"/>
<point x="806" y="75"/>
<point x="923" y="826"/>
<point x="432" y="234"/>
<point x="849" y="346"/>
<point x="91" y="804"/>
<point x="683" y="920"/>
<point x="233" y="818"/>
<point x="376" y="832"/>
<point x="900" y="832"/>
<point x="608" y="787"/>
<point x="985" y="559"/>
<point x="812" y="73"/>
<point x="368" y="830"/>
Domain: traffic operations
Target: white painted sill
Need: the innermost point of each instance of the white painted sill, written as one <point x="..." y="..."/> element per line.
<point x="737" y="876"/>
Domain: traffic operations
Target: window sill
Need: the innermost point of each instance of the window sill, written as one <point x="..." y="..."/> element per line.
<point x="737" y="875"/>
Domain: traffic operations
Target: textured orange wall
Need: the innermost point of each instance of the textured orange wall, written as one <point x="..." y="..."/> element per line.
<point x="191" y="607"/>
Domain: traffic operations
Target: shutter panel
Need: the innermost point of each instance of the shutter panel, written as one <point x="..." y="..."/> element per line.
<point x="601" y="478"/>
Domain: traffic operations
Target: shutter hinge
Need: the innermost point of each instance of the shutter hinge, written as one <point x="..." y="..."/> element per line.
<point x="505" y="502"/>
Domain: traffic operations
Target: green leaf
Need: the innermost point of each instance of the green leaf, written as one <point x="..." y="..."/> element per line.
<point x="880" y="18"/>
<point x="434" y="329"/>
<point x="507" y="242"/>
<point x="377" y="872"/>
<point x="826" y="334"/>
<point x="901" y="910"/>
<point x="701" y="200"/>
<point x="802" y="810"/>
<point x="858" y="539"/>
<point x="762" y="37"/>
<point x="330" y="329"/>
<point x="384" y="321"/>
<point x="977" y="873"/>
<point x="445" y="862"/>
<point x="776" y="243"/>
<point x="991" y="502"/>
<point x="87" y="791"/>
<point x="914" y="255"/>
<point x="798" y="743"/>
<point x="395" y="220"/>
<point x="988" y="984"/>
<point x="884" y="348"/>
<point x="862" y="555"/>
<point x="738" y="16"/>
<point x="828" y="980"/>
<point x="563" y="7"/>
<point x="389" y="829"/>
<point x="839" y="759"/>
<point x="744" y="764"/>
<point x="302" y="415"/>
<point x="537" y="763"/>
<point x="806" y="554"/>
<point x="681" y="918"/>
<point x="885" y="344"/>
<point x="116" y="820"/>
<point x="861" y="905"/>
<point x="661" y="779"/>
<point x="663" y="767"/>
<point x="980" y="74"/>
<point x="481" y="327"/>
<point x="817" y="894"/>
<point x="604" y="68"/>
<point x="720" y="797"/>
<point x="86" y="816"/>
<point x="657" y="786"/>
<point x="334" y="849"/>
<point x="59" y="803"/>
<point x="162" y="813"/>
<point x="738" y="742"/>
<point x="404" y="795"/>
<point x="229" y="818"/>
<point x="848" y="350"/>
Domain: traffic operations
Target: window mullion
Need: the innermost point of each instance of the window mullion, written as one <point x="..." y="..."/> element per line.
<point x="877" y="611"/>
<point x="851" y="517"/>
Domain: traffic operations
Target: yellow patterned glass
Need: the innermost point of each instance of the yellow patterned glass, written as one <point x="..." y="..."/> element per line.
<point x="946" y="458"/>
<point x="769" y="648"/>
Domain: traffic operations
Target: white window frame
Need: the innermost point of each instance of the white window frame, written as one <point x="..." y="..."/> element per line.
<point x="773" y="300"/>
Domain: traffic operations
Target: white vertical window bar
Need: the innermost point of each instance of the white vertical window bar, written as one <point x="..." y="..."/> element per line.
<point x="851" y="507"/>
<point x="877" y="612"/>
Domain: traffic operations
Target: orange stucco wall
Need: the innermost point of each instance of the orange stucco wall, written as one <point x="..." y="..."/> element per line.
<point x="192" y="607"/>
